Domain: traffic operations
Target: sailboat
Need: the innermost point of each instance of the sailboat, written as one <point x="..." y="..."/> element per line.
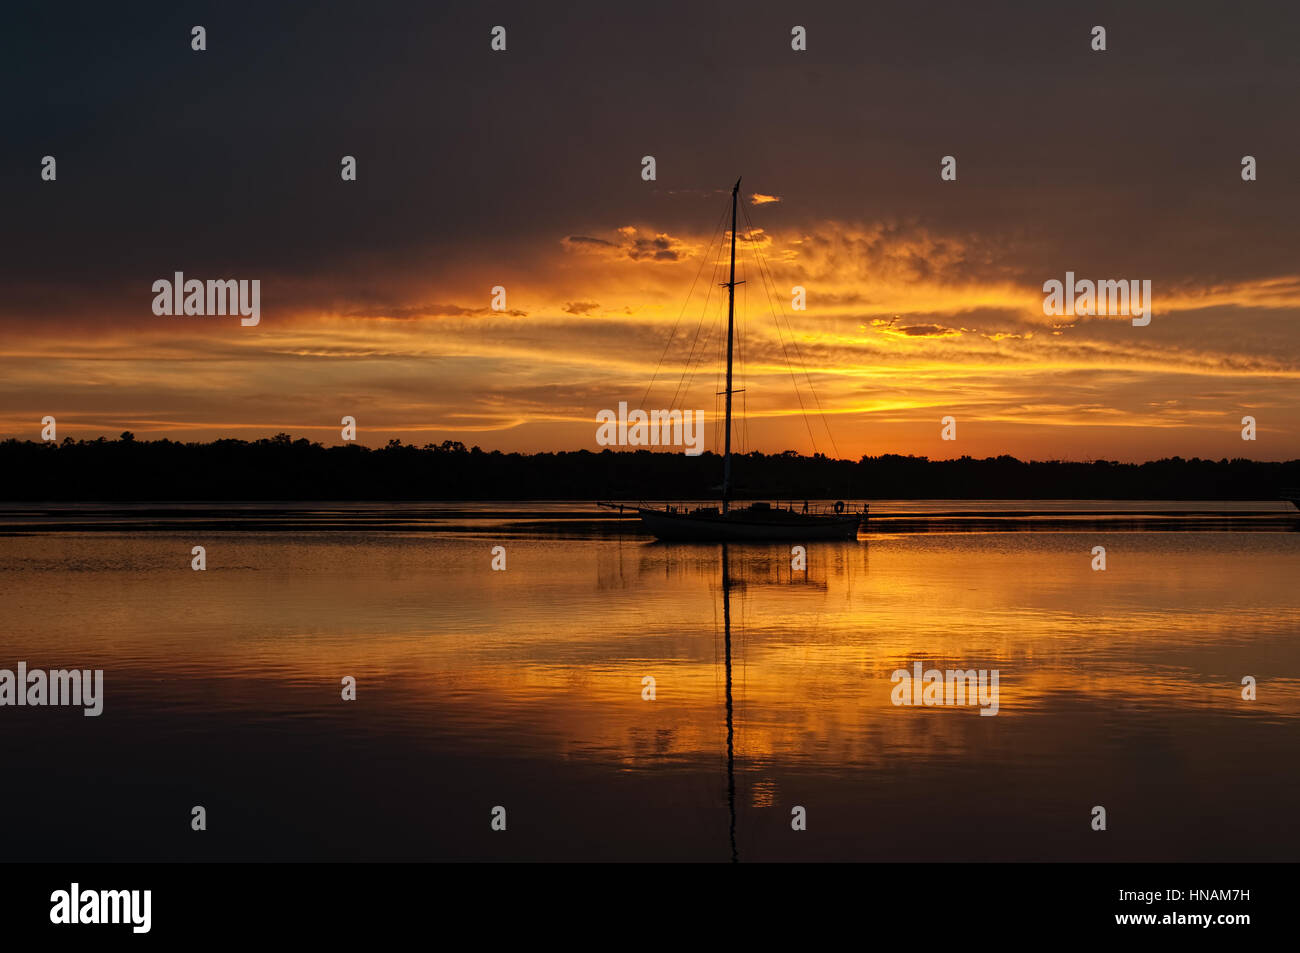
<point x="757" y="521"/>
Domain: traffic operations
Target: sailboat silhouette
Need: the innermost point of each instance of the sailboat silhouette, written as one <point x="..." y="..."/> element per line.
<point x="757" y="521"/>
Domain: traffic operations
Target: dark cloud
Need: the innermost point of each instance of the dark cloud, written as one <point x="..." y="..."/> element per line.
<point x="420" y="311"/>
<point x="415" y="312"/>
<point x="659" y="248"/>
<point x="587" y="240"/>
<point x="228" y="161"/>
<point x="926" y="330"/>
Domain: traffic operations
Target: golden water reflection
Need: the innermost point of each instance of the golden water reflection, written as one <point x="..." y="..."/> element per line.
<point x="1099" y="671"/>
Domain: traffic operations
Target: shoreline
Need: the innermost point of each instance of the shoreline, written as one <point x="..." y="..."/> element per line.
<point x="582" y="518"/>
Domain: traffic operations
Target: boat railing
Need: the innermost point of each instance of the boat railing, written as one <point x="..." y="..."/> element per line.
<point x="809" y="507"/>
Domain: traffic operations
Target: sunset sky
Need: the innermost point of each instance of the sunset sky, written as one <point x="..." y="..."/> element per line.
<point x="523" y="169"/>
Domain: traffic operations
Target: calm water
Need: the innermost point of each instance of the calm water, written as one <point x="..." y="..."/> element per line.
<point x="523" y="688"/>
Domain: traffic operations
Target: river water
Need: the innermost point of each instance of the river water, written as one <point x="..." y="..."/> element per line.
<point x="524" y="688"/>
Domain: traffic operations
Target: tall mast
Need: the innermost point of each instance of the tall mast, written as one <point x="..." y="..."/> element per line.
<point x="731" y="322"/>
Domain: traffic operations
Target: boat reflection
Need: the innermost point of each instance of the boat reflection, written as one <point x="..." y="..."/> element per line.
<point x="731" y="714"/>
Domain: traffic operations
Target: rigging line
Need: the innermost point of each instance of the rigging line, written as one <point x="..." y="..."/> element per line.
<point x="799" y="355"/>
<point x="703" y="352"/>
<point x="685" y="304"/>
<point x="719" y="383"/>
<point x="722" y="364"/>
<point x="737" y="421"/>
<point x="803" y="410"/>
<point x="807" y="376"/>
<point x="794" y="380"/>
<point x="740" y="427"/>
<point x="744" y="385"/>
<point x="719" y="377"/>
<point x="744" y="370"/>
<point x="770" y="291"/>
<point x="794" y="342"/>
<point x="738" y="385"/>
<point x="769" y="288"/>
<point x="687" y="376"/>
<point x="704" y="310"/>
<point x="698" y="357"/>
<point x="715" y="445"/>
<point x="695" y="340"/>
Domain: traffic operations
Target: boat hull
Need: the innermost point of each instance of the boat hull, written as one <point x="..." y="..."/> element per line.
<point x="741" y="526"/>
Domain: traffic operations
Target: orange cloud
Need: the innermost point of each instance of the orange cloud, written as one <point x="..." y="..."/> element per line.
<point x="902" y="326"/>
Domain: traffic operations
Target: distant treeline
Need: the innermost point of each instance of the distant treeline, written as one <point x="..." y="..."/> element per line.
<point x="282" y="468"/>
